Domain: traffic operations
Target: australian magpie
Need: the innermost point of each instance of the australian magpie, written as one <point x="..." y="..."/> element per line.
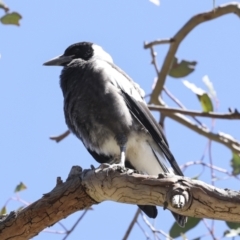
<point x="105" y="109"/>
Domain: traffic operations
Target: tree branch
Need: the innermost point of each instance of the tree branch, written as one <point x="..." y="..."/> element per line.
<point x="130" y="227"/>
<point x="177" y="101"/>
<point x="158" y="42"/>
<point x="181" y="34"/>
<point x="230" y="116"/>
<point x="61" y="136"/>
<point x="65" y="199"/>
<point x="220" y="137"/>
<point x="83" y="189"/>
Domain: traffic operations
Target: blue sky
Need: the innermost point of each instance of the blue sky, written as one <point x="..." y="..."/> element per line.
<point x="31" y="100"/>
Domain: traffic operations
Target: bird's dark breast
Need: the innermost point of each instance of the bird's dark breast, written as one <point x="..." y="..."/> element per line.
<point x="91" y="109"/>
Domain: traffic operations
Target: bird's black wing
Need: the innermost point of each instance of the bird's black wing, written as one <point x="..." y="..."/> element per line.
<point x="140" y="111"/>
<point x="133" y="97"/>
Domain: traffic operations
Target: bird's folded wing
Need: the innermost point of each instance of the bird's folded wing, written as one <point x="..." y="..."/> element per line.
<point x="131" y="93"/>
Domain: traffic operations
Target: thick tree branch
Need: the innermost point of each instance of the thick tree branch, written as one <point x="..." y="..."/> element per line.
<point x="83" y="189"/>
<point x="65" y="199"/>
<point x="181" y="34"/>
<point x="230" y="116"/>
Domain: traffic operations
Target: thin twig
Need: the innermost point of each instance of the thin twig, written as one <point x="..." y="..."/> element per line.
<point x="144" y="232"/>
<point x="62" y="226"/>
<point x="161" y="122"/>
<point x="167" y="110"/>
<point x="211" y="161"/>
<point x="130" y="227"/>
<point x="61" y="136"/>
<point x="158" y="42"/>
<point x="188" y="164"/>
<point x="209" y="229"/>
<point x="74" y="226"/>
<point x="54" y="231"/>
<point x="154" y="61"/>
<point x="155" y="230"/>
<point x="181" y="34"/>
<point x="179" y="103"/>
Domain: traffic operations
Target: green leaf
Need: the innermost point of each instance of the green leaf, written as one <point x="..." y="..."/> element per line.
<point x="4" y="6"/>
<point x="21" y="186"/>
<point x="203" y="97"/>
<point x="181" y="69"/>
<point x="3" y="210"/>
<point x="11" y="18"/>
<point x="233" y="225"/>
<point x="232" y="233"/>
<point x="206" y="102"/>
<point x="235" y="163"/>
<point x="176" y="230"/>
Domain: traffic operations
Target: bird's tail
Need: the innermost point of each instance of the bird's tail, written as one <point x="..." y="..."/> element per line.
<point x="150" y="211"/>
<point x="181" y="220"/>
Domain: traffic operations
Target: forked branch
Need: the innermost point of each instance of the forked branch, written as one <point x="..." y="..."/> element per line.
<point x="180" y="35"/>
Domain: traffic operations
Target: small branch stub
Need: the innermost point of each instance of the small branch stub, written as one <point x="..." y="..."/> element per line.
<point x="75" y="170"/>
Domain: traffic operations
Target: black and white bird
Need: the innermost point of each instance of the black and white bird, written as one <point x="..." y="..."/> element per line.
<point x="105" y="109"/>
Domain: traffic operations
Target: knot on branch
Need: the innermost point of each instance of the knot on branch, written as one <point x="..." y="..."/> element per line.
<point x="75" y="170"/>
<point x="179" y="197"/>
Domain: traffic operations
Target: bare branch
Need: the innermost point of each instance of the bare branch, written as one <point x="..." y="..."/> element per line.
<point x="104" y="183"/>
<point x="63" y="200"/>
<point x="182" y="33"/>
<point x="177" y="101"/>
<point x="203" y="201"/>
<point x="132" y="224"/>
<point x="158" y="42"/>
<point x="222" y="138"/>
<point x="144" y="232"/>
<point x="167" y="110"/>
<point x="76" y="223"/>
<point x="154" y="60"/>
<point x="154" y="230"/>
<point x="213" y="167"/>
<point x="211" y="232"/>
<point x="61" y="136"/>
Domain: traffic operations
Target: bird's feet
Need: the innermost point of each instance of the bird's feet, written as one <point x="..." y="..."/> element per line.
<point x="115" y="166"/>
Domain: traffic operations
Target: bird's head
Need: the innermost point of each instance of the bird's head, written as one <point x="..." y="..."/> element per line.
<point x="83" y="50"/>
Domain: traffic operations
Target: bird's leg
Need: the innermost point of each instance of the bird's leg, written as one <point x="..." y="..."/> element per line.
<point x="122" y="141"/>
<point x="121" y="163"/>
<point x="122" y="156"/>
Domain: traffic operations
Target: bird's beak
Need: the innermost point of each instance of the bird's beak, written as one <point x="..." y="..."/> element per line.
<point x="59" y="61"/>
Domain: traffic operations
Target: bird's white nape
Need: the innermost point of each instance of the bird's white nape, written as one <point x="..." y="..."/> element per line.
<point x="99" y="52"/>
